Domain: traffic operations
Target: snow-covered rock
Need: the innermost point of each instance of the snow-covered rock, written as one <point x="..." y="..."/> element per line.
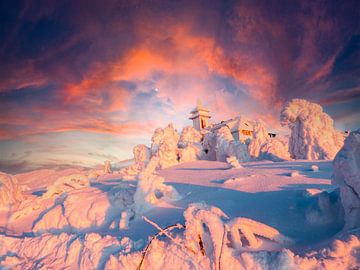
<point x="10" y="190"/>
<point x="313" y="135"/>
<point x="347" y="176"/>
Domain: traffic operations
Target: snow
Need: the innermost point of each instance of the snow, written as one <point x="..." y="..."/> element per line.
<point x="313" y="135"/>
<point x="186" y="202"/>
<point x="314" y="168"/>
<point x="347" y="176"/>
<point x="10" y="191"/>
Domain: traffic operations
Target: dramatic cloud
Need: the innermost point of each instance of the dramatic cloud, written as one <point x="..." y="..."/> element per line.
<point x="125" y="67"/>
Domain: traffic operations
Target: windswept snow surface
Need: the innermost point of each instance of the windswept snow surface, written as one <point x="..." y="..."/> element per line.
<point x="212" y="214"/>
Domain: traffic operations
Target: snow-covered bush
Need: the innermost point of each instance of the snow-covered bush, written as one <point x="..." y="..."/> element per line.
<point x="347" y="176"/>
<point x="10" y="190"/>
<point x="312" y="131"/>
<point x="107" y="167"/>
<point x="275" y="149"/>
<point x="260" y="137"/>
<point x="66" y="184"/>
<point x="165" y="146"/>
<point x="191" y="152"/>
<point x="223" y="139"/>
<point x="189" y="135"/>
<point x="141" y="154"/>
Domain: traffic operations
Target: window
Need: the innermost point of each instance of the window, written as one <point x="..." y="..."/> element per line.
<point x="246" y="132"/>
<point x="202" y="123"/>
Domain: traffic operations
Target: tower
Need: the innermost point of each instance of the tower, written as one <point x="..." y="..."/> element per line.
<point x="200" y="116"/>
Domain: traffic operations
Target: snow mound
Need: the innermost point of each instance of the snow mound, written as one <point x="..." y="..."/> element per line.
<point x="233" y="162"/>
<point x="294" y="174"/>
<point x="151" y="190"/>
<point x="10" y="191"/>
<point x="347" y="176"/>
<point x="67" y="183"/>
<point x="142" y="156"/>
<point x="314" y="168"/>
<point x="312" y="131"/>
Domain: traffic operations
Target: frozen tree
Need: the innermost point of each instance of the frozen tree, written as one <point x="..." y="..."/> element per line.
<point x="260" y="137"/>
<point x="189" y="135"/>
<point x="165" y="146"/>
<point x="107" y="166"/>
<point x="312" y="131"/>
<point x="347" y="176"/>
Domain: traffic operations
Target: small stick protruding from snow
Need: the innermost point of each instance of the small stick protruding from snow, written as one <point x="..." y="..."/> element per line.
<point x="159" y="228"/>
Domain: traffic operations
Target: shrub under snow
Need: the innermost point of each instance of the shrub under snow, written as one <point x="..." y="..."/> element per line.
<point x="165" y="146"/>
<point x="10" y="190"/>
<point x="312" y="131"/>
<point x="347" y="176"/>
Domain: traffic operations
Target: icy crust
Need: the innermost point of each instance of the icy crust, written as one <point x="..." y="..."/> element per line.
<point x="313" y="135"/>
<point x="347" y="176"/>
<point x="209" y="240"/>
<point x="10" y="191"/>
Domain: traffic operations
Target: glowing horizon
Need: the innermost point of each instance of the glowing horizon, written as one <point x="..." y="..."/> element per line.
<point x="86" y="82"/>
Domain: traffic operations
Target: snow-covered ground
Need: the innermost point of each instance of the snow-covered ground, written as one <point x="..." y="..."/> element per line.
<point x="263" y="215"/>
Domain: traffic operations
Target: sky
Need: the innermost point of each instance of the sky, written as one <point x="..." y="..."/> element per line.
<point x="85" y="81"/>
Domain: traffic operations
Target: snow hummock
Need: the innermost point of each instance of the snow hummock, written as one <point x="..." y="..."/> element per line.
<point x="347" y="176"/>
<point x="313" y="135"/>
<point x="10" y="190"/>
<point x="233" y="162"/>
<point x="151" y="190"/>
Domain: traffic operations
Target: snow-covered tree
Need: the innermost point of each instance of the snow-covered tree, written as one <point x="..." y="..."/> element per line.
<point x="313" y="135"/>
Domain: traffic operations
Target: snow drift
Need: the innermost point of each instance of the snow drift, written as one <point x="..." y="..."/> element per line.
<point x="10" y="190"/>
<point x="347" y="176"/>
<point x="312" y="131"/>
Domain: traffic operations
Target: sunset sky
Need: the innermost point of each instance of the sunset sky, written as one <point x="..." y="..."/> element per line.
<point x="84" y="81"/>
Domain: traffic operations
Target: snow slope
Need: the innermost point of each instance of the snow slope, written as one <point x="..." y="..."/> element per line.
<point x="258" y="216"/>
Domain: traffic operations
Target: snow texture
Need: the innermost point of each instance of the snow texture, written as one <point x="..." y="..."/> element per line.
<point x="347" y="176"/>
<point x="226" y="146"/>
<point x="10" y="191"/>
<point x="313" y="135"/>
